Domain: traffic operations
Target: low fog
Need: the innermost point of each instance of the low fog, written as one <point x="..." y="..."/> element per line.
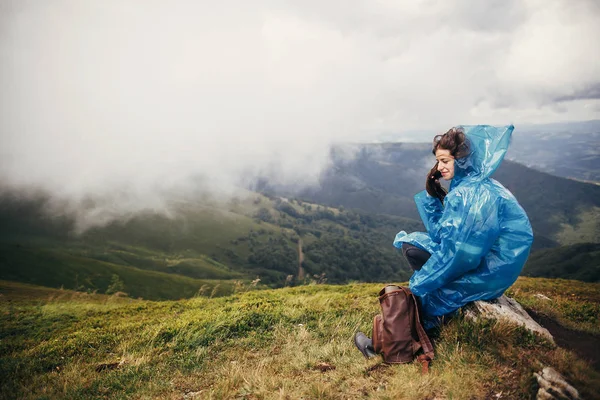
<point x="132" y="103"/>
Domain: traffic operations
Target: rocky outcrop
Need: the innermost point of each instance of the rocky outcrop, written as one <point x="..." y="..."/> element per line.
<point x="505" y="308"/>
<point x="553" y="386"/>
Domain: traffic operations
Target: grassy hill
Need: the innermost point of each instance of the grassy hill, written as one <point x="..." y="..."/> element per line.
<point x="193" y="228"/>
<point x="58" y="268"/>
<point x="254" y="237"/>
<point x="284" y="343"/>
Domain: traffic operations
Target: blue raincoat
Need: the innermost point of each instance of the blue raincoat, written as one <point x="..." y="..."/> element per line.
<point x="479" y="239"/>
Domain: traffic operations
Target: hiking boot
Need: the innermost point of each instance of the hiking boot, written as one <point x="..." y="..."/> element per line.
<point x="364" y="344"/>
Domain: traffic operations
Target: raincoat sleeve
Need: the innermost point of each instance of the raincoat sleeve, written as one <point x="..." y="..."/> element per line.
<point x="465" y="232"/>
<point x="430" y="209"/>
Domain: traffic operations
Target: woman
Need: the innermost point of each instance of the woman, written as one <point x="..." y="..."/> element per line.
<point x="478" y="236"/>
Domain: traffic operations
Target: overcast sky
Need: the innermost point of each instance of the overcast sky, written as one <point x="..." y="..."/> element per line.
<point x="142" y="95"/>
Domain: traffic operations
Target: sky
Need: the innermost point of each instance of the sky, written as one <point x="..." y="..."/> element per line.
<point x="131" y="100"/>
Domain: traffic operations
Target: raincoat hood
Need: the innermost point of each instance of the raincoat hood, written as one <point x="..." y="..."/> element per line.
<point x="487" y="145"/>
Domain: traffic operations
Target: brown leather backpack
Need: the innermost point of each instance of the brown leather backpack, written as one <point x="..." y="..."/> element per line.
<point x="397" y="333"/>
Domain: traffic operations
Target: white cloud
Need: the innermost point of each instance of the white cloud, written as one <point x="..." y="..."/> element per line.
<point x="145" y="95"/>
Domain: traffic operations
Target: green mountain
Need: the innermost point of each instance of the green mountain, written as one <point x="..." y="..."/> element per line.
<point x="63" y="268"/>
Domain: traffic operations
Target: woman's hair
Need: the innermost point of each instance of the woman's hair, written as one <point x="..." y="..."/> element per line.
<point x="455" y="141"/>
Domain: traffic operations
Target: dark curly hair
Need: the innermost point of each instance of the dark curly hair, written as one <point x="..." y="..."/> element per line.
<point x="455" y="141"/>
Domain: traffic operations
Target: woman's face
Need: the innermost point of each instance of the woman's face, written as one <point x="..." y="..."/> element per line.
<point x="445" y="163"/>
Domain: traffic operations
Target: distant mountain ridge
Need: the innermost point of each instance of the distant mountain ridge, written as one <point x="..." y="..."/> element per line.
<point x="567" y="149"/>
<point x="383" y="178"/>
<point x="570" y="151"/>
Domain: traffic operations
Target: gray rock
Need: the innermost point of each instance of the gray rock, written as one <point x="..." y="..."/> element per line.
<point x="509" y="309"/>
<point x="541" y="296"/>
<point x="553" y="386"/>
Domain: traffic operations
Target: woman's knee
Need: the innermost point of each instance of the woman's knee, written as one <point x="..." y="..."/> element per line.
<point x="415" y="256"/>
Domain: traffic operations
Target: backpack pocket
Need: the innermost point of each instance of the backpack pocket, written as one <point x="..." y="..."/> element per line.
<point x="377" y="335"/>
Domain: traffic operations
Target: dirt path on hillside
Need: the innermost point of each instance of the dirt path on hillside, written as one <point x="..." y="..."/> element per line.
<point x="585" y="345"/>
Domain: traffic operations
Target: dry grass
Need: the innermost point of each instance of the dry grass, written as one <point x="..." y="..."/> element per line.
<point x="289" y="343"/>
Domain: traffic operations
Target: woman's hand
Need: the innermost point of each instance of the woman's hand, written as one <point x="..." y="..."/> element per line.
<point x="433" y="185"/>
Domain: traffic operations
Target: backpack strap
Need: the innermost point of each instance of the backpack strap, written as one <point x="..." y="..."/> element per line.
<point x="428" y="355"/>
